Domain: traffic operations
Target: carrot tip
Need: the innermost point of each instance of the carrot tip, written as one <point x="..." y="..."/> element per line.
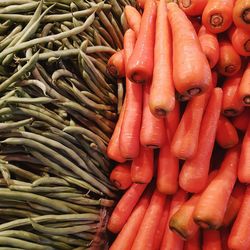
<point x="194" y="91"/>
<point x="246" y="100"/>
<point x="178" y="231"/>
<point x="185" y="3"/>
<point x="216" y="20"/>
<point x="137" y="78"/>
<point x="246" y="15"/>
<point x="230" y="112"/>
<point x="112" y="70"/>
<point x="160" y="112"/>
<point x="247" y="46"/>
<point x="230" y="69"/>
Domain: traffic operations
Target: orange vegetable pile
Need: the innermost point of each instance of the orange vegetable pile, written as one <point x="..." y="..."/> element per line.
<point x="182" y="141"/>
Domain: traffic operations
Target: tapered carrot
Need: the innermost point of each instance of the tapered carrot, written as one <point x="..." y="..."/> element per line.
<point x="151" y="220"/>
<point x="170" y="239"/>
<point x="124" y="207"/>
<point x="133" y="18"/>
<point x="131" y="124"/>
<point x="232" y="105"/>
<point x="229" y="60"/>
<point x="241" y="14"/>
<point x="241" y="121"/>
<point x="172" y="121"/>
<point x="224" y="233"/>
<point x="211" y="207"/>
<point x="153" y="132"/>
<point x="141" y="63"/>
<point x="211" y="240"/>
<point x="194" y="173"/>
<point x="234" y="204"/>
<point x="121" y="176"/>
<point x="192" y="7"/>
<point x="194" y="243"/>
<point x="239" y="235"/>
<point x="217" y="15"/>
<point x="142" y="168"/>
<point x="196" y="78"/>
<point x="162" y="93"/>
<point x="226" y="135"/>
<point x="210" y="45"/>
<point x="244" y="88"/>
<point x="116" y="66"/>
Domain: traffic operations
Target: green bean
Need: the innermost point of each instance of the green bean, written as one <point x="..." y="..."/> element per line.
<point x="19" y="8"/>
<point x="64" y="196"/>
<point x="37" y="83"/>
<point x="7" y="40"/>
<point x="4" y="27"/>
<point x="41" y="209"/>
<point x="5" y="173"/>
<point x="10" y="125"/>
<point x="120" y="94"/>
<point x="92" y="97"/>
<point x="116" y="27"/>
<point x="49" y="181"/>
<point x="86" y="201"/>
<point x="68" y="224"/>
<point x="20" y="158"/>
<point x="116" y="8"/>
<point x="86" y="236"/>
<point x="10" y="248"/>
<point x="37" y="100"/>
<point x="74" y="38"/>
<point x="4" y="3"/>
<point x="17" y="212"/>
<point x="70" y="241"/>
<point x="124" y="22"/>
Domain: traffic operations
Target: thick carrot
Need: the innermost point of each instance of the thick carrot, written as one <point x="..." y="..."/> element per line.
<point x="229" y="60"/>
<point x="194" y="173"/>
<point x="162" y="93"/>
<point x="131" y="124"/>
<point x="211" y="207"/>
<point x="125" y="238"/>
<point x="244" y="88"/>
<point x="133" y="18"/>
<point x="142" y="168"/>
<point x="121" y="176"/>
<point x="226" y="135"/>
<point x="232" y="105"/>
<point x="211" y="240"/>
<point x="241" y="14"/>
<point x="196" y="78"/>
<point x="195" y="22"/>
<point x="194" y="243"/>
<point x="241" y="121"/>
<point x="193" y="7"/>
<point x="124" y="207"/>
<point x="145" y="236"/>
<point x="141" y="63"/>
<point x="239" y="235"/>
<point x="234" y="204"/>
<point x="116" y="65"/>
<point x="210" y="45"/>
<point x="217" y="15"/>
<point x="153" y="132"/>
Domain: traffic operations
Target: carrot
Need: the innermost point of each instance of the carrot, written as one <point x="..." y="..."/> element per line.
<point x="229" y="60"/>
<point x="141" y="3"/>
<point x="196" y="23"/>
<point x="234" y="204"/>
<point x="125" y="238"/>
<point x="142" y="168"/>
<point x="145" y="236"/>
<point x="244" y="88"/>
<point x="210" y="45"/>
<point x="241" y="14"/>
<point x="162" y="93"/>
<point x="133" y="18"/>
<point x="239" y="235"/>
<point x="115" y="66"/>
<point x="211" y="207"/>
<point x="192" y="7"/>
<point x="194" y="173"/>
<point x="131" y="125"/>
<point x="121" y="176"/>
<point x="211" y="240"/>
<point x="124" y="207"/>
<point x="232" y="105"/>
<point x="241" y="121"/>
<point x="217" y="15"/>
<point x="224" y="233"/>
<point x="196" y="78"/>
<point x="193" y="243"/>
<point x="152" y="132"/>
<point x="170" y="239"/>
<point x="240" y="40"/>
<point x="141" y="64"/>
<point x="226" y="135"/>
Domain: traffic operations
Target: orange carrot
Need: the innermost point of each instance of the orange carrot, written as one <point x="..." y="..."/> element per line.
<point x="211" y="240"/>
<point x="229" y="60"/>
<point x="239" y="235"/>
<point x="142" y="168"/>
<point x="131" y="124"/>
<point x="194" y="173"/>
<point x="121" y="176"/>
<point x="141" y="63"/>
<point x="240" y="40"/>
<point x="172" y="120"/>
<point x="234" y="204"/>
<point x="244" y="88"/>
<point x="226" y="135"/>
<point x="170" y="239"/>
<point x="116" y="67"/>
<point x="152" y="133"/>
<point x="217" y="15"/>
<point x="210" y="45"/>
<point x="194" y="243"/>
<point x="141" y="3"/>
<point x="145" y="236"/>
<point x="232" y="105"/>
<point x="162" y="93"/>
<point x="224" y="233"/>
<point x="196" y="78"/>
<point x="192" y="7"/>
<point x="241" y="14"/>
<point x="241" y="121"/>
<point x="133" y="18"/>
<point x="124" y="207"/>
<point x="211" y="207"/>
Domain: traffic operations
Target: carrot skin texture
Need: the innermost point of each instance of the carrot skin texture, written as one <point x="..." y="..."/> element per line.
<point x="194" y="243"/>
<point x="211" y="240"/>
<point x="194" y="7"/>
<point x="116" y="65"/>
<point x="241" y="14"/>
<point x="244" y="87"/>
<point x="133" y="18"/>
<point x="241" y="121"/>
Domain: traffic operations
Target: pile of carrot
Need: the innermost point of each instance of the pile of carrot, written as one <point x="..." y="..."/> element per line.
<point x="182" y="141"/>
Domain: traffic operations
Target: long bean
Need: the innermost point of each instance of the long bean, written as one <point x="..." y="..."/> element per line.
<point x="19" y="8"/>
<point x="10" y="125"/>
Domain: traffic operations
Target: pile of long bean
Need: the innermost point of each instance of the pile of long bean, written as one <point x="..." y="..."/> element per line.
<point x="58" y="108"/>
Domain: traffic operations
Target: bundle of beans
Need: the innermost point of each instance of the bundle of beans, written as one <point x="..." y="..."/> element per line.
<point x="58" y="108"/>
